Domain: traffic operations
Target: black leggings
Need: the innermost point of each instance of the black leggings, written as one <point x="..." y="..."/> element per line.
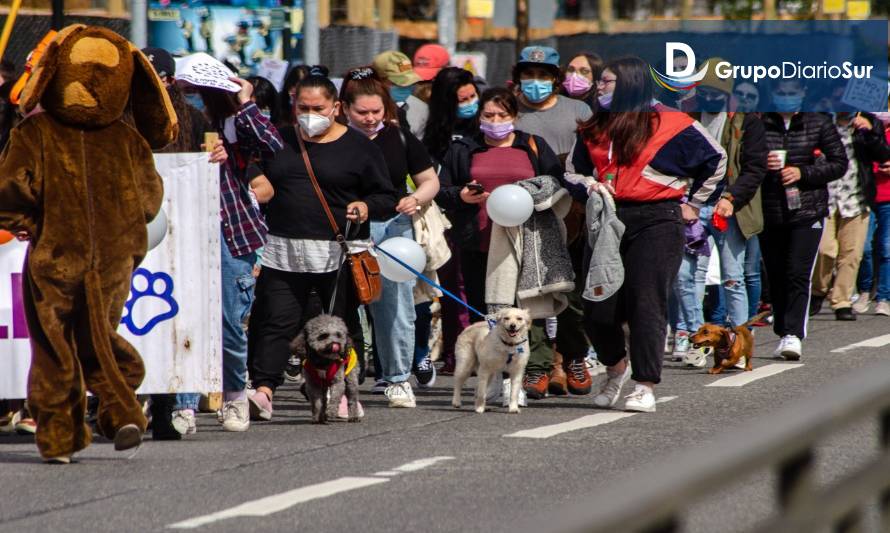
<point x="283" y="305"/>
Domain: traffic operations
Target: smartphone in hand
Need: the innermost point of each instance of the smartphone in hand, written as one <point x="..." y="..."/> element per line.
<point x="477" y="188"/>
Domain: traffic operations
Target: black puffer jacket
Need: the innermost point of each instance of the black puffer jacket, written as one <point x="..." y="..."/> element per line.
<point x="807" y="133"/>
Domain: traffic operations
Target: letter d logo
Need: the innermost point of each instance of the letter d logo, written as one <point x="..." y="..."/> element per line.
<point x="670" y="48"/>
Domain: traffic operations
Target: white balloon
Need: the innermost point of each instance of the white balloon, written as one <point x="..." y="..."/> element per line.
<point x="157" y="229"/>
<point x="510" y="205"/>
<point x="407" y="251"/>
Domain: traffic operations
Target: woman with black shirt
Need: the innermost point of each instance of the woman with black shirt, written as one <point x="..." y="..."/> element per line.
<point x="301" y="253"/>
<point x="370" y="110"/>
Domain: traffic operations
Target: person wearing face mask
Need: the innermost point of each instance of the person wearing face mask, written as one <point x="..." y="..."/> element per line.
<point x="542" y="110"/>
<point x="247" y="135"/>
<point x="745" y="97"/>
<point x="398" y="72"/>
<point x="742" y="136"/>
<point x="301" y="253"/>
<point x="399" y="352"/>
<point x="580" y="77"/>
<point x="498" y="154"/>
<point x="795" y="202"/>
<point x="289" y="89"/>
<point x="266" y="98"/>
<point x="640" y="157"/>
<point x="850" y="201"/>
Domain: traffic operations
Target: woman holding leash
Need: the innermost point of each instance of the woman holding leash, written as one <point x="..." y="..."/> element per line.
<point x="369" y="109"/>
<point x="301" y="253"/>
<point x="639" y="156"/>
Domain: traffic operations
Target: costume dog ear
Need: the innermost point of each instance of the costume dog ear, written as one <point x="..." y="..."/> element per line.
<point x="152" y="110"/>
<point x="46" y="67"/>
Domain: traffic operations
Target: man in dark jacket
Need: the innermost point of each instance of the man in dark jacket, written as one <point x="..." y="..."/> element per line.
<point x="795" y="202"/>
<point x="849" y="199"/>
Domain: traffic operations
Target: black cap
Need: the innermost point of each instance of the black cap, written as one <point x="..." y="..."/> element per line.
<point x="161" y="60"/>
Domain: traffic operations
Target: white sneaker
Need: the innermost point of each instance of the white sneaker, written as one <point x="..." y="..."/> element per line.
<point x="400" y="395"/>
<point x="863" y="302"/>
<point x="883" y="309"/>
<point x="594" y="367"/>
<point x="611" y="389"/>
<point x="642" y="400"/>
<point x="506" y="388"/>
<point x="695" y="357"/>
<point x="669" y="343"/>
<point x="236" y="415"/>
<point x="742" y="364"/>
<point x="183" y="421"/>
<point x="681" y="346"/>
<point x="788" y="348"/>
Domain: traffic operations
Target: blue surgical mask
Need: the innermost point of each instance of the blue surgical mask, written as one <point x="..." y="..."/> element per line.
<point x="195" y="100"/>
<point x="537" y="90"/>
<point x="788" y="103"/>
<point x="468" y="109"/>
<point x="400" y="94"/>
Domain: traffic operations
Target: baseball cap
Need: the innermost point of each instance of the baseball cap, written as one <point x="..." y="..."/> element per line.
<point x="429" y="59"/>
<point x="161" y="60"/>
<point x="396" y="67"/>
<point x="539" y="56"/>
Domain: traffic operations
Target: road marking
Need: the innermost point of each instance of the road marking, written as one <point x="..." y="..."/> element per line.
<point x="589" y="421"/>
<point x="280" y="502"/>
<point x="285" y="500"/>
<point x="875" y="342"/>
<point x="744" y="378"/>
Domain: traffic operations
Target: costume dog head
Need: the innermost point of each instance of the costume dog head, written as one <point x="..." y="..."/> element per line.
<point x="88" y="75"/>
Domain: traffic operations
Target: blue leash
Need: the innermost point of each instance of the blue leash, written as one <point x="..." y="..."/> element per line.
<point x="433" y="283"/>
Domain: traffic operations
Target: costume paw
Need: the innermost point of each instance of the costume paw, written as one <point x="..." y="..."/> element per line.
<point x="151" y="301"/>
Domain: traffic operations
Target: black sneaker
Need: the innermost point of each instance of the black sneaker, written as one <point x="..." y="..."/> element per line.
<point x="816" y="304"/>
<point x="844" y="314"/>
<point x="380" y="386"/>
<point x="425" y="373"/>
<point x="293" y="372"/>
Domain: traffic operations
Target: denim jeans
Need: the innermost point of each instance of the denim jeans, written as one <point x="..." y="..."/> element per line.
<point x="752" y="274"/>
<point x="237" y="297"/>
<point x="393" y="314"/>
<point x="866" y="277"/>
<point x="882" y="250"/>
<point x="685" y="302"/>
<point x="187" y="400"/>
<point x="732" y="245"/>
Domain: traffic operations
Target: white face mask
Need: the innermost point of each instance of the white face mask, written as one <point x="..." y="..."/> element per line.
<point x="314" y="125"/>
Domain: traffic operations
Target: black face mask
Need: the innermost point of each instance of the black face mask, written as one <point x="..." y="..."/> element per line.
<point x="715" y="105"/>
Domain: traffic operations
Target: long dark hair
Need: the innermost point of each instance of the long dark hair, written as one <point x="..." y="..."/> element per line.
<point x="184" y="141"/>
<point x="443" y="109"/>
<point x="219" y="104"/>
<point x="266" y="97"/>
<point x="630" y="121"/>
<point x="364" y="81"/>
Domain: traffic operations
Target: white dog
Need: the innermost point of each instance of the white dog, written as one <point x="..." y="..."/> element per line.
<point x="489" y="352"/>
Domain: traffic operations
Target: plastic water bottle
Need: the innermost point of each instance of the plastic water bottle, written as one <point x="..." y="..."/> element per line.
<point x="792" y="198"/>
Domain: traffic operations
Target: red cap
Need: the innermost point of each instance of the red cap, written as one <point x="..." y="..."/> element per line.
<point x="429" y="59"/>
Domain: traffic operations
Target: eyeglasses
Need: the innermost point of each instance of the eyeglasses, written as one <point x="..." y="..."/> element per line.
<point x="606" y="81"/>
<point x="741" y="95"/>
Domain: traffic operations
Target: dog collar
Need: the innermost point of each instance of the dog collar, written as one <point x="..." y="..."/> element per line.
<point x="517" y="345"/>
<point x="523" y="341"/>
<point x="348" y="362"/>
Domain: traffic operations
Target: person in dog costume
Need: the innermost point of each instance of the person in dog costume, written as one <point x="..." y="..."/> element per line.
<point x="82" y="184"/>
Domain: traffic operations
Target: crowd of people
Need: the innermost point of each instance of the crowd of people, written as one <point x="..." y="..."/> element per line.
<point x="639" y="192"/>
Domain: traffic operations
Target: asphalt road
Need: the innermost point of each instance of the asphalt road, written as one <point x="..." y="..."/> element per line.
<point x="432" y="468"/>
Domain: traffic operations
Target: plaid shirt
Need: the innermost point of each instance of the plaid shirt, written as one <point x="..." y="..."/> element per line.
<point x="243" y="226"/>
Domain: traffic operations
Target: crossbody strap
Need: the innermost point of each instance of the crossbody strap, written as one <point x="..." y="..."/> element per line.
<point x="324" y="203"/>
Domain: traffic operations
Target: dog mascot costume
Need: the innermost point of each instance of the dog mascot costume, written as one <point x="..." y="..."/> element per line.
<point x="82" y="183"/>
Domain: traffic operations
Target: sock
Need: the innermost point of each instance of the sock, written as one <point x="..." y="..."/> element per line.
<point x="231" y="396"/>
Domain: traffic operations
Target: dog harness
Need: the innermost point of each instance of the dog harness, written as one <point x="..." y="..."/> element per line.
<point x="517" y="345"/>
<point x="315" y="374"/>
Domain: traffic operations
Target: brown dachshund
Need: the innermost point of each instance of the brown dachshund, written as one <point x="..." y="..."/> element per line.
<point x="729" y="345"/>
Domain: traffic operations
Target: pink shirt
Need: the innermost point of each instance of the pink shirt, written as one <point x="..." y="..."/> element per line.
<point x="882" y="181"/>
<point x="493" y="168"/>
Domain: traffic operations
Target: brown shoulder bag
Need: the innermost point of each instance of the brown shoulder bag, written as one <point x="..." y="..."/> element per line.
<point x="363" y="266"/>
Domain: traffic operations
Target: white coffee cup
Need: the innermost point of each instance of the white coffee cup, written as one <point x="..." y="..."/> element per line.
<point x="781" y="154"/>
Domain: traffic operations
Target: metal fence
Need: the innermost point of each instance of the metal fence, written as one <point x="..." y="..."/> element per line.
<point x="784" y="443"/>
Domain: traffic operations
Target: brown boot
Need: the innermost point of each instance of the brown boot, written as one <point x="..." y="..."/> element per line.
<point x="558" y="379"/>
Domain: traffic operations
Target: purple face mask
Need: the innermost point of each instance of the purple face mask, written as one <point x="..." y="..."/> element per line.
<point x="496" y="130"/>
<point x="576" y="84"/>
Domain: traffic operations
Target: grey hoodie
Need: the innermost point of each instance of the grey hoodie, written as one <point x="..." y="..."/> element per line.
<point x="604" y="232"/>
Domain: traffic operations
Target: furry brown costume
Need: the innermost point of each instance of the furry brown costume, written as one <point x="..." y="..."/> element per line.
<point x="83" y="185"/>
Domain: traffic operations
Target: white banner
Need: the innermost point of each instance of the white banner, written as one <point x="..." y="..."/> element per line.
<point x="173" y="315"/>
